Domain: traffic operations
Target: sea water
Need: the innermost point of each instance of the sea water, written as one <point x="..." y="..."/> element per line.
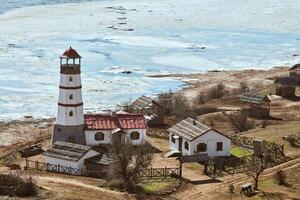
<point x="143" y="37"/>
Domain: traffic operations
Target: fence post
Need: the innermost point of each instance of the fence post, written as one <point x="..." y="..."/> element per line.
<point x="26" y="165"/>
<point x="151" y="172"/>
<point x="165" y="172"/>
<point x="58" y="168"/>
<point x="37" y="165"/>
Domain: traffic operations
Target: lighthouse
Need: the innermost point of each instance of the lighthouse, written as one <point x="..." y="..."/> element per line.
<point x="69" y="126"/>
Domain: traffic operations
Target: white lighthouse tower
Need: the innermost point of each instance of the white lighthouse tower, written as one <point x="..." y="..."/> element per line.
<point x="69" y="126"/>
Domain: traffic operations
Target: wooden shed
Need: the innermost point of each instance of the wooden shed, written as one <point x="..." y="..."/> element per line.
<point x="153" y="111"/>
<point x="286" y="85"/>
<point x="256" y="105"/>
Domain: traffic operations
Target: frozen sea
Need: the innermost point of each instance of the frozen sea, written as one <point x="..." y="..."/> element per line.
<point x="146" y="37"/>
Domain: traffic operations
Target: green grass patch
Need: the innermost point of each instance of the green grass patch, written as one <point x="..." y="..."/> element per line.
<point x="240" y="152"/>
<point x="155" y="187"/>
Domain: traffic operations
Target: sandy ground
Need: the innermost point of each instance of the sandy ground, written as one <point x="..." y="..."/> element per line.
<point x="254" y="79"/>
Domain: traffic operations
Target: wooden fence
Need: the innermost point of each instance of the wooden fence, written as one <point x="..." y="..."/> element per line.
<point x="147" y="173"/>
<point x="273" y="150"/>
<point x="47" y="167"/>
<point x="150" y="173"/>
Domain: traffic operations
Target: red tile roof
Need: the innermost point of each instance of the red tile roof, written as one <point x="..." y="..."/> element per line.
<point x="108" y="122"/>
<point x="70" y="54"/>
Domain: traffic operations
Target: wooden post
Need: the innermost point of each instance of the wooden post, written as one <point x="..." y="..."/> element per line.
<point x="26" y="165"/>
<point x="180" y="169"/>
<point x="37" y="165"/>
<point x="165" y="172"/>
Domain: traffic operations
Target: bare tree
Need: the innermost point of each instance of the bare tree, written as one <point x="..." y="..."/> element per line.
<point x="130" y="160"/>
<point x="240" y="121"/>
<point x="255" y="168"/>
<point x="180" y="104"/>
<point x="166" y="101"/>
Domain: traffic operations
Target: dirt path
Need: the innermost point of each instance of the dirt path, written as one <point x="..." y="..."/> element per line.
<point x="208" y="191"/>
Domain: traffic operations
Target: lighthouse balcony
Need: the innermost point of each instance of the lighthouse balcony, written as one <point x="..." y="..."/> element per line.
<point x="70" y="69"/>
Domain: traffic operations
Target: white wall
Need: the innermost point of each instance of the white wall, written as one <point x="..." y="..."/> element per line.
<point x="184" y="151"/>
<point x="140" y="141"/>
<point x="210" y="139"/>
<point x="64" y="80"/>
<point x="63" y="117"/>
<point x="172" y="146"/>
<point x="90" y="137"/>
<point x="64" y="96"/>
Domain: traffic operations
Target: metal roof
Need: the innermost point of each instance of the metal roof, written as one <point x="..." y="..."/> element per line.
<point x="67" y="151"/>
<point x="70" y="54"/>
<point x="252" y="97"/>
<point x="295" y="67"/>
<point x="189" y="129"/>
<point x="103" y="159"/>
<point x="142" y="102"/>
<point x="109" y="122"/>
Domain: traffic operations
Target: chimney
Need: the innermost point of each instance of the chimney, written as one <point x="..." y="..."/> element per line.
<point x="194" y="122"/>
<point x="113" y="113"/>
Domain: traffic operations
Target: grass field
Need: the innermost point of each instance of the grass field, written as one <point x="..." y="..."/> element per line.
<point x="240" y="152"/>
<point x="275" y="133"/>
<point x="155" y="187"/>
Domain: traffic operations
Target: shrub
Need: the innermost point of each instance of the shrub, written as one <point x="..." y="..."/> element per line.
<point x="281" y="177"/>
<point x="201" y="110"/>
<point x="12" y="185"/>
<point x="241" y="122"/>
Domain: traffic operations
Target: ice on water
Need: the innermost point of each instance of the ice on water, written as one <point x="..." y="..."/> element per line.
<point x="143" y="37"/>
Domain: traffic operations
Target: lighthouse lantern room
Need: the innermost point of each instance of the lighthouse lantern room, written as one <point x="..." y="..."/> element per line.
<point x="69" y="126"/>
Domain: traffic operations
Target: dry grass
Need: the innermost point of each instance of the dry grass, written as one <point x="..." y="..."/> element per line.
<point x="275" y="133"/>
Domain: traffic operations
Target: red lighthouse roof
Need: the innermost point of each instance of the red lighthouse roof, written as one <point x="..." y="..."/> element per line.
<point x="70" y="54"/>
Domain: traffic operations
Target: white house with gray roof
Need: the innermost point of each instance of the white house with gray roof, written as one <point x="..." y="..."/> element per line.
<point x="69" y="155"/>
<point x="190" y="137"/>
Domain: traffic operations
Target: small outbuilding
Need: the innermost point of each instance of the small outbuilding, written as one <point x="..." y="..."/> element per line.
<point x="286" y="85"/>
<point x="69" y="155"/>
<point x="101" y="163"/>
<point x="153" y="111"/>
<point x="190" y="137"/>
<point x="256" y="105"/>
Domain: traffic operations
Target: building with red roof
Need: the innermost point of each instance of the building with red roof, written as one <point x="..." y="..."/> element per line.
<point x="112" y="127"/>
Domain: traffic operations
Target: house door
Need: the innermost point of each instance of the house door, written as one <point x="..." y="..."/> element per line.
<point x="180" y="144"/>
<point x="117" y="138"/>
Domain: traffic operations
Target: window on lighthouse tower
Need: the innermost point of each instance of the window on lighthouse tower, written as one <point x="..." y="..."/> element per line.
<point x="71" y="113"/>
<point x="71" y="96"/>
<point x="70" y="78"/>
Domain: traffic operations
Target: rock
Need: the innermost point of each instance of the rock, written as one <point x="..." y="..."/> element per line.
<point x="126" y="72"/>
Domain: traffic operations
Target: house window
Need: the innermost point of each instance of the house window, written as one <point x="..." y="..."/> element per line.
<point x="186" y="145"/>
<point x="172" y="138"/>
<point x="201" y="147"/>
<point x="71" y="139"/>
<point x="71" y="96"/>
<point x="58" y="129"/>
<point x="219" y="146"/>
<point x="99" y="136"/>
<point x="71" y="113"/>
<point x="135" y="135"/>
<point x="70" y="78"/>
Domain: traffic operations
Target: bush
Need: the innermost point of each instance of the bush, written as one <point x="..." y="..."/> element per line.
<point x="241" y="122"/>
<point x="201" y="110"/>
<point x="12" y="185"/>
<point x="281" y="178"/>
